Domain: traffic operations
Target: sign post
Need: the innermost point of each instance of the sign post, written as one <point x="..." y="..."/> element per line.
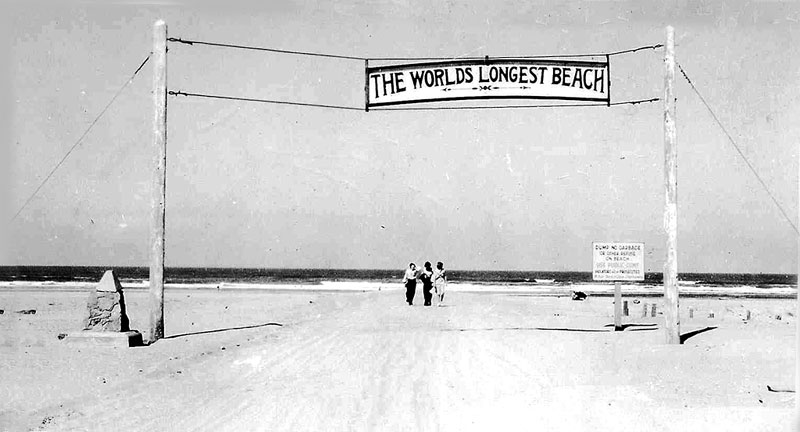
<point x="617" y="307"/>
<point x="617" y="262"/>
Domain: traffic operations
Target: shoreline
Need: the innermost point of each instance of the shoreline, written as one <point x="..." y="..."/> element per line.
<point x="539" y="290"/>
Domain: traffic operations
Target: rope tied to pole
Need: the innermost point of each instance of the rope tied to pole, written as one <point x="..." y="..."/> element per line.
<point x="254" y="48"/>
<point x="245" y="99"/>
<point x="350" y="108"/>
<point x="80" y="139"/>
<point x="738" y="150"/>
<point x="413" y="58"/>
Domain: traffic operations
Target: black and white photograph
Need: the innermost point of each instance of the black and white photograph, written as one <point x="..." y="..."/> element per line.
<point x="400" y="215"/>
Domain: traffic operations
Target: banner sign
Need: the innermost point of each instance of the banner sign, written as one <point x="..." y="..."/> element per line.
<point x="488" y="79"/>
<point x="617" y="261"/>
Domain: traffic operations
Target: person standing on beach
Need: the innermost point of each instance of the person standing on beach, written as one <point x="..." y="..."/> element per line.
<point x="427" y="283"/>
<point x="439" y="282"/>
<point x="410" y="281"/>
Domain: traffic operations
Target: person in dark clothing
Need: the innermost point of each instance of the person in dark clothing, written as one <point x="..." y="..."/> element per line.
<point x="427" y="283"/>
<point x="410" y="281"/>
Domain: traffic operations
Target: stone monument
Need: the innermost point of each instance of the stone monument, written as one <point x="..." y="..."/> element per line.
<point x="106" y="320"/>
<point x="106" y="306"/>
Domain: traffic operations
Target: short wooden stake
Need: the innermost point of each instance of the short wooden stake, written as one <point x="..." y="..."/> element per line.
<point x="691" y="313"/>
<point x="644" y="310"/>
<point x="617" y="307"/>
<point x="653" y="310"/>
<point x="625" y="311"/>
<point x="748" y="315"/>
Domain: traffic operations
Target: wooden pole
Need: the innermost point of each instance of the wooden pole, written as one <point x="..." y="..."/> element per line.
<point x="671" y="205"/>
<point x="797" y="317"/>
<point x="159" y="186"/>
<point x="617" y="307"/>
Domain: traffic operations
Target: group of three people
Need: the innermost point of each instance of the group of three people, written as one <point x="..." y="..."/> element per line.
<point x="431" y="280"/>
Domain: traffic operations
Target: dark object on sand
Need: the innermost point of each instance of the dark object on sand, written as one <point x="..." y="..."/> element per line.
<point x="27" y="311"/>
<point x="2" y="311"/>
<point x="780" y="389"/>
<point x="579" y="295"/>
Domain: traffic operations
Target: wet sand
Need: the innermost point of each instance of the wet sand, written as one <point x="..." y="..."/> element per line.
<point x="305" y="360"/>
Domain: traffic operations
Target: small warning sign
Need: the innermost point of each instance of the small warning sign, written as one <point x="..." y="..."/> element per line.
<point x="617" y="261"/>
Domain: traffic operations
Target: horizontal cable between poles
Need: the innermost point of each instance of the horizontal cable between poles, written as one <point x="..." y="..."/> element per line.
<point x="254" y="48"/>
<point x="350" y="108"/>
<point x="738" y="150"/>
<point x="244" y="99"/>
<point x="346" y="57"/>
<point x="526" y="57"/>
<point x="652" y="47"/>
<point x="577" y="105"/>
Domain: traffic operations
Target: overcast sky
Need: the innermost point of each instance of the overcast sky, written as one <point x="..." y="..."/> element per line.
<point x="252" y="184"/>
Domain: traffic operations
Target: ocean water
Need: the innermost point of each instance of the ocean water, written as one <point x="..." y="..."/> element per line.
<point x="216" y="275"/>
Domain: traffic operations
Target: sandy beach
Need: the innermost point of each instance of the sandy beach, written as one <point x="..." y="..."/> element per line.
<point x="306" y="360"/>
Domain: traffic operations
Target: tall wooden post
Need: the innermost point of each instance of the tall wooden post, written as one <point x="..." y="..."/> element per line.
<point x="671" y="313"/>
<point x="797" y="315"/>
<point x="159" y="186"/>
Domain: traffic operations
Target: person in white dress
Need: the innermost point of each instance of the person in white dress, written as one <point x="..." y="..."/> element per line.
<point x="439" y="282"/>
